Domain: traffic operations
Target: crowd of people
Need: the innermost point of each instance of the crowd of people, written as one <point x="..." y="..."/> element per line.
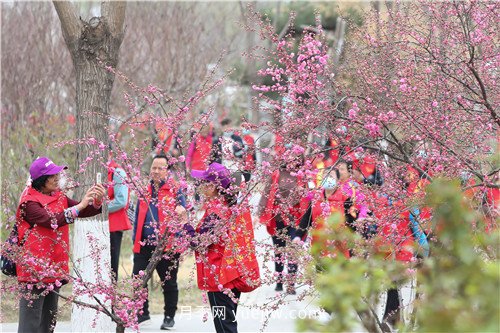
<point x="292" y="207"/>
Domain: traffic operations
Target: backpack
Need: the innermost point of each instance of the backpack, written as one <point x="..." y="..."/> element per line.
<point x="8" y="264"/>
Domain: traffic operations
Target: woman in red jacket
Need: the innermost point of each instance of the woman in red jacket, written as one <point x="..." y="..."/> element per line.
<point x="43" y="217"/>
<point x="225" y="255"/>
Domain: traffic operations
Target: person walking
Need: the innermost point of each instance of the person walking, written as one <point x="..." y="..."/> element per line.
<point x="340" y="193"/>
<point x="229" y="148"/>
<point x="153" y="221"/>
<point x="280" y="210"/>
<point x="250" y="155"/>
<point x="200" y="149"/>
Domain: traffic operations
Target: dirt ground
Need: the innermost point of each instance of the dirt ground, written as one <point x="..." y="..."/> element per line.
<point x="189" y="294"/>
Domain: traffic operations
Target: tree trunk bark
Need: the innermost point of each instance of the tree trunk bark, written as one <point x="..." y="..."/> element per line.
<point x="93" y="45"/>
<point x="93" y="89"/>
<point x="120" y="329"/>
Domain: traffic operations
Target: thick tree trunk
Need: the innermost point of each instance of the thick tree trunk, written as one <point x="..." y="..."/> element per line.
<point x="93" y="46"/>
<point x="93" y="89"/>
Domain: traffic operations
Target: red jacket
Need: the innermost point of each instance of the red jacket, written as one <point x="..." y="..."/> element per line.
<point x="231" y="262"/>
<point x="491" y="206"/>
<point x="279" y="145"/>
<point x="167" y="201"/>
<point x="332" y="156"/>
<point x="268" y="213"/>
<point x="165" y="138"/>
<point x="336" y="203"/>
<point x="118" y="221"/>
<point x="250" y="154"/>
<point x="45" y="252"/>
<point x="199" y="152"/>
<point x="271" y="209"/>
<point x="368" y="166"/>
<point x="319" y="228"/>
<point x="395" y="236"/>
<point x="319" y="215"/>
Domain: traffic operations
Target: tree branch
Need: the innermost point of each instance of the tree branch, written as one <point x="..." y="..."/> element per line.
<point x="70" y="24"/>
<point x="243" y="12"/>
<point x="114" y="12"/>
<point x="102" y="309"/>
<point x="285" y="28"/>
<point x="424" y="129"/>
<point x="484" y="95"/>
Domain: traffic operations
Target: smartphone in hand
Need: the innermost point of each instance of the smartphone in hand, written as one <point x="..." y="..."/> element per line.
<point x="98" y="179"/>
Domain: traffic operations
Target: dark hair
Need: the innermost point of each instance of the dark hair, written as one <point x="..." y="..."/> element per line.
<point x="38" y="183"/>
<point x="225" y="121"/>
<point x="161" y="156"/>
<point x="158" y="156"/>
<point x="347" y="163"/>
<point x="166" y="157"/>
<point x="231" y="193"/>
<point x="230" y="198"/>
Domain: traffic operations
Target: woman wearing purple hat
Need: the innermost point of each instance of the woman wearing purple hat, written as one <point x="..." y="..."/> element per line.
<point x="226" y="263"/>
<point x="43" y="218"/>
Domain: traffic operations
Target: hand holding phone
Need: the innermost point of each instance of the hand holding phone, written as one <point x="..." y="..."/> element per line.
<point x="98" y="181"/>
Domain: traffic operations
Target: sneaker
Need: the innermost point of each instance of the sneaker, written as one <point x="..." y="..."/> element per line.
<point x="168" y="323"/>
<point x="143" y="319"/>
<point x="279" y="286"/>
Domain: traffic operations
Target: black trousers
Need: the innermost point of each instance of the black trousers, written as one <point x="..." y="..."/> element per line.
<point x="167" y="271"/>
<point x="392" y="308"/>
<point x="38" y="313"/>
<point x="224" y="311"/>
<point x="247" y="175"/>
<point x="281" y="239"/>
<point x="115" y="239"/>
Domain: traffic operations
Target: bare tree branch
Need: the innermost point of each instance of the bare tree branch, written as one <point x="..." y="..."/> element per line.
<point x="484" y="94"/>
<point x="285" y="28"/>
<point x="70" y="24"/>
<point x="114" y="12"/>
